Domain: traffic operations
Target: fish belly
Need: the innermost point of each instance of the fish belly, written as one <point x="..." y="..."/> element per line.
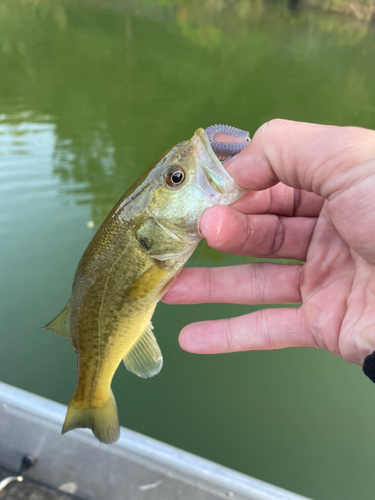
<point x="97" y="364"/>
<point x="110" y="327"/>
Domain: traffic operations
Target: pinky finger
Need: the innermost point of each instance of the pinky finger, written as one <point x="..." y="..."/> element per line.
<point x="261" y="330"/>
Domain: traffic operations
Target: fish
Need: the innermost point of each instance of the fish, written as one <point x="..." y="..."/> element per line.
<point x="128" y="266"/>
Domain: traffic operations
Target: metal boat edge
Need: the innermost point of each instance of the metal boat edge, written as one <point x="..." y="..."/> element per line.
<point x="136" y="467"/>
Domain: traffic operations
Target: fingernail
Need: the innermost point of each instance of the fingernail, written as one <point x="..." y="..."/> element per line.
<point x="207" y="224"/>
<point x="202" y="223"/>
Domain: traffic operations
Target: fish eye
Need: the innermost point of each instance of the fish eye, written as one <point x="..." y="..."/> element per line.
<point x="175" y="176"/>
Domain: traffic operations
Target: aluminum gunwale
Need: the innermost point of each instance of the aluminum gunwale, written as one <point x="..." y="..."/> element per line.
<point x="23" y="413"/>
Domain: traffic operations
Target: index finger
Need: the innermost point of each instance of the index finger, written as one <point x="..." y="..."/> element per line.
<point x="316" y="158"/>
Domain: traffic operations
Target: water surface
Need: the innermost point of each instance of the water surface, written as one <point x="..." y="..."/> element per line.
<point x="90" y="94"/>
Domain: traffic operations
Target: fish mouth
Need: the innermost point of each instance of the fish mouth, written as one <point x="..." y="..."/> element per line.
<point x="211" y="176"/>
<point x="201" y="135"/>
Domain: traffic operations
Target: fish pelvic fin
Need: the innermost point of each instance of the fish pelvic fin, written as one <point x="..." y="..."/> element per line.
<point x="60" y="324"/>
<point x="101" y="419"/>
<point x="145" y="358"/>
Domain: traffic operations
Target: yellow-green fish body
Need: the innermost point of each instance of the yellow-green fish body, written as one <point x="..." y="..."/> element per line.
<point x="137" y="252"/>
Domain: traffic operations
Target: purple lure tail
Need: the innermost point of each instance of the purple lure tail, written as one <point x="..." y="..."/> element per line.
<point x="226" y="140"/>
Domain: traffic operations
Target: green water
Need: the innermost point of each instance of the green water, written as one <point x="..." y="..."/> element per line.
<point x="89" y="97"/>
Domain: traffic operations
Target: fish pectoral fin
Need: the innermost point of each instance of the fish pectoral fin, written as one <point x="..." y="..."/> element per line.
<point x="145" y="358"/>
<point x="60" y="324"/>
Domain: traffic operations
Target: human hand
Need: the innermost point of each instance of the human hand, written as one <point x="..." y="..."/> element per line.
<point x="311" y="198"/>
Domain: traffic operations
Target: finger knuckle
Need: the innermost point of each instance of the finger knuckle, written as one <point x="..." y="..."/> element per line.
<point x="296" y="201"/>
<point x="278" y="237"/>
<point x="207" y="283"/>
<point x="258" y="279"/>
<point x="264" y="330"/>
<point x="228" y="335"/>
<point x="245" y="236"/>
<point x="271" y="126"/>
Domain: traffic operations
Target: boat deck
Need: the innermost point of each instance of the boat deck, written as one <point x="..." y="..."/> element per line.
<point x="30" y="490"/>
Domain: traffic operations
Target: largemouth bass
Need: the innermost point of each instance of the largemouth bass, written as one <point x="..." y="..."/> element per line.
<point x="129" y="264"/>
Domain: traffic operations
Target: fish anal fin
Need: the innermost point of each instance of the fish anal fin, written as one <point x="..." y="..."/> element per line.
<point x="145" y="358"/>
<point x="60" y="324"/>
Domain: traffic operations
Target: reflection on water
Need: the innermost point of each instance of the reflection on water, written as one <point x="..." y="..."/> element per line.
<point x="90" y="94"/>
<point x="25" y="148"/>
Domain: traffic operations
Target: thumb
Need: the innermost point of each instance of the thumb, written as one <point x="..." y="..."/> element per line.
<point x="317" y="158"/>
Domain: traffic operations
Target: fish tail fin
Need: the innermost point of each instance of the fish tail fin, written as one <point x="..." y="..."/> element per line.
<point x="101" y="419"/>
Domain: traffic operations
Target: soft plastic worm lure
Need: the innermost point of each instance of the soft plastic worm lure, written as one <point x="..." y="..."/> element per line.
<point x="227" y="141"/>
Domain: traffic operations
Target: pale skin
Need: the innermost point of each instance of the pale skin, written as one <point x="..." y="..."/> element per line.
<point x="311" y="198"/>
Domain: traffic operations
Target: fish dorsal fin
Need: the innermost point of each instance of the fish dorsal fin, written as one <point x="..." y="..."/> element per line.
<point x="144" y="358"/>
<point x="60" y="324"/>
